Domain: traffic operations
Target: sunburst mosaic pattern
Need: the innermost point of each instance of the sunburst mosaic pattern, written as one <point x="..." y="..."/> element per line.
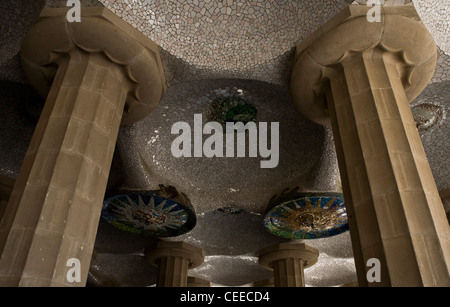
<point x="309" y="217"/>
<point x="148" y="214"/>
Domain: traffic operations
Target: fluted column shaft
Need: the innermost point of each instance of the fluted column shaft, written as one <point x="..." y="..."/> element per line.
<point x="95" y="74"/>
<point x="288" y="273"/>
<point x="174" y="259"/>
<point x="288" y="262"/>
<point x="361" y="77"/>
<point x="173" y="272"/>
<point x="55" y="206"/>
<point x="396" y="214"/>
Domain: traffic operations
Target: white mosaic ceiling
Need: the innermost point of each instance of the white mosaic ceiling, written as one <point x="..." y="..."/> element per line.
<point x="235" y="33"/>
<point x="434" y="14"/>
<point x="239" y="38"/>
<point x="306" y="160"/>
<point x="234" y="39"/>
<point x="255" y="40"/>
<point x="229" y="38"/>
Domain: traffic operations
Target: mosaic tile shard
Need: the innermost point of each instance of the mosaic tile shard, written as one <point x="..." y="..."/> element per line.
<point x="149" y="213"/>
<point x="309" y="217"/>
<point x="427" y="116"/>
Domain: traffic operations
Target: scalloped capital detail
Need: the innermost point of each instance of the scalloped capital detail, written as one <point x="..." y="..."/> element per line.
<point x="400" y="35"/>
<point x="53" y="38"/>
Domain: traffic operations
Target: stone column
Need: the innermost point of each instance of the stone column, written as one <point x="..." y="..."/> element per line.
<point x="362" y="76"/>
<point x="288" y="262"/>
<point x="173" y="260"/>
<point x="96" y="70"/>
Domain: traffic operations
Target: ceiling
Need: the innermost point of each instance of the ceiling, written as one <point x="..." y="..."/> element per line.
<point x="216" y="49"/>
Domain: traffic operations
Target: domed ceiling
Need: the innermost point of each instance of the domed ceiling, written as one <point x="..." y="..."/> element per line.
<point x="215" y="51"/>
<point x="212" y="183"/>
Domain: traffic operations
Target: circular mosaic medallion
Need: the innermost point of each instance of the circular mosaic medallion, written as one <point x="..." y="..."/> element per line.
<point x="308" y="217"/>
<point x="148" y="214"/>
<point x="232" y="109"/>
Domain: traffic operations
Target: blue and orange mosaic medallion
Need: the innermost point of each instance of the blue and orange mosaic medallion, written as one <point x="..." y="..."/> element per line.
<point x="308" y="217"/>
<point x="149" y="214"/>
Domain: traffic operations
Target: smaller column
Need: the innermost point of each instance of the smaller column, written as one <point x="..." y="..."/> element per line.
<point x="288" y="262"/>
<point x="173" y="260"/>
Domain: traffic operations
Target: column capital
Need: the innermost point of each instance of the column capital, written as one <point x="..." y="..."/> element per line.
<point x="52" y="39"/>
<point x="400" y="32"/>
<point x="306" y="253"/>
<point x="194" y="255"/>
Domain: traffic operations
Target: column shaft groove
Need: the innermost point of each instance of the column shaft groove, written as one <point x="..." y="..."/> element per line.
<point x="387" y="181"/>
<point x="55" y="206"/>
